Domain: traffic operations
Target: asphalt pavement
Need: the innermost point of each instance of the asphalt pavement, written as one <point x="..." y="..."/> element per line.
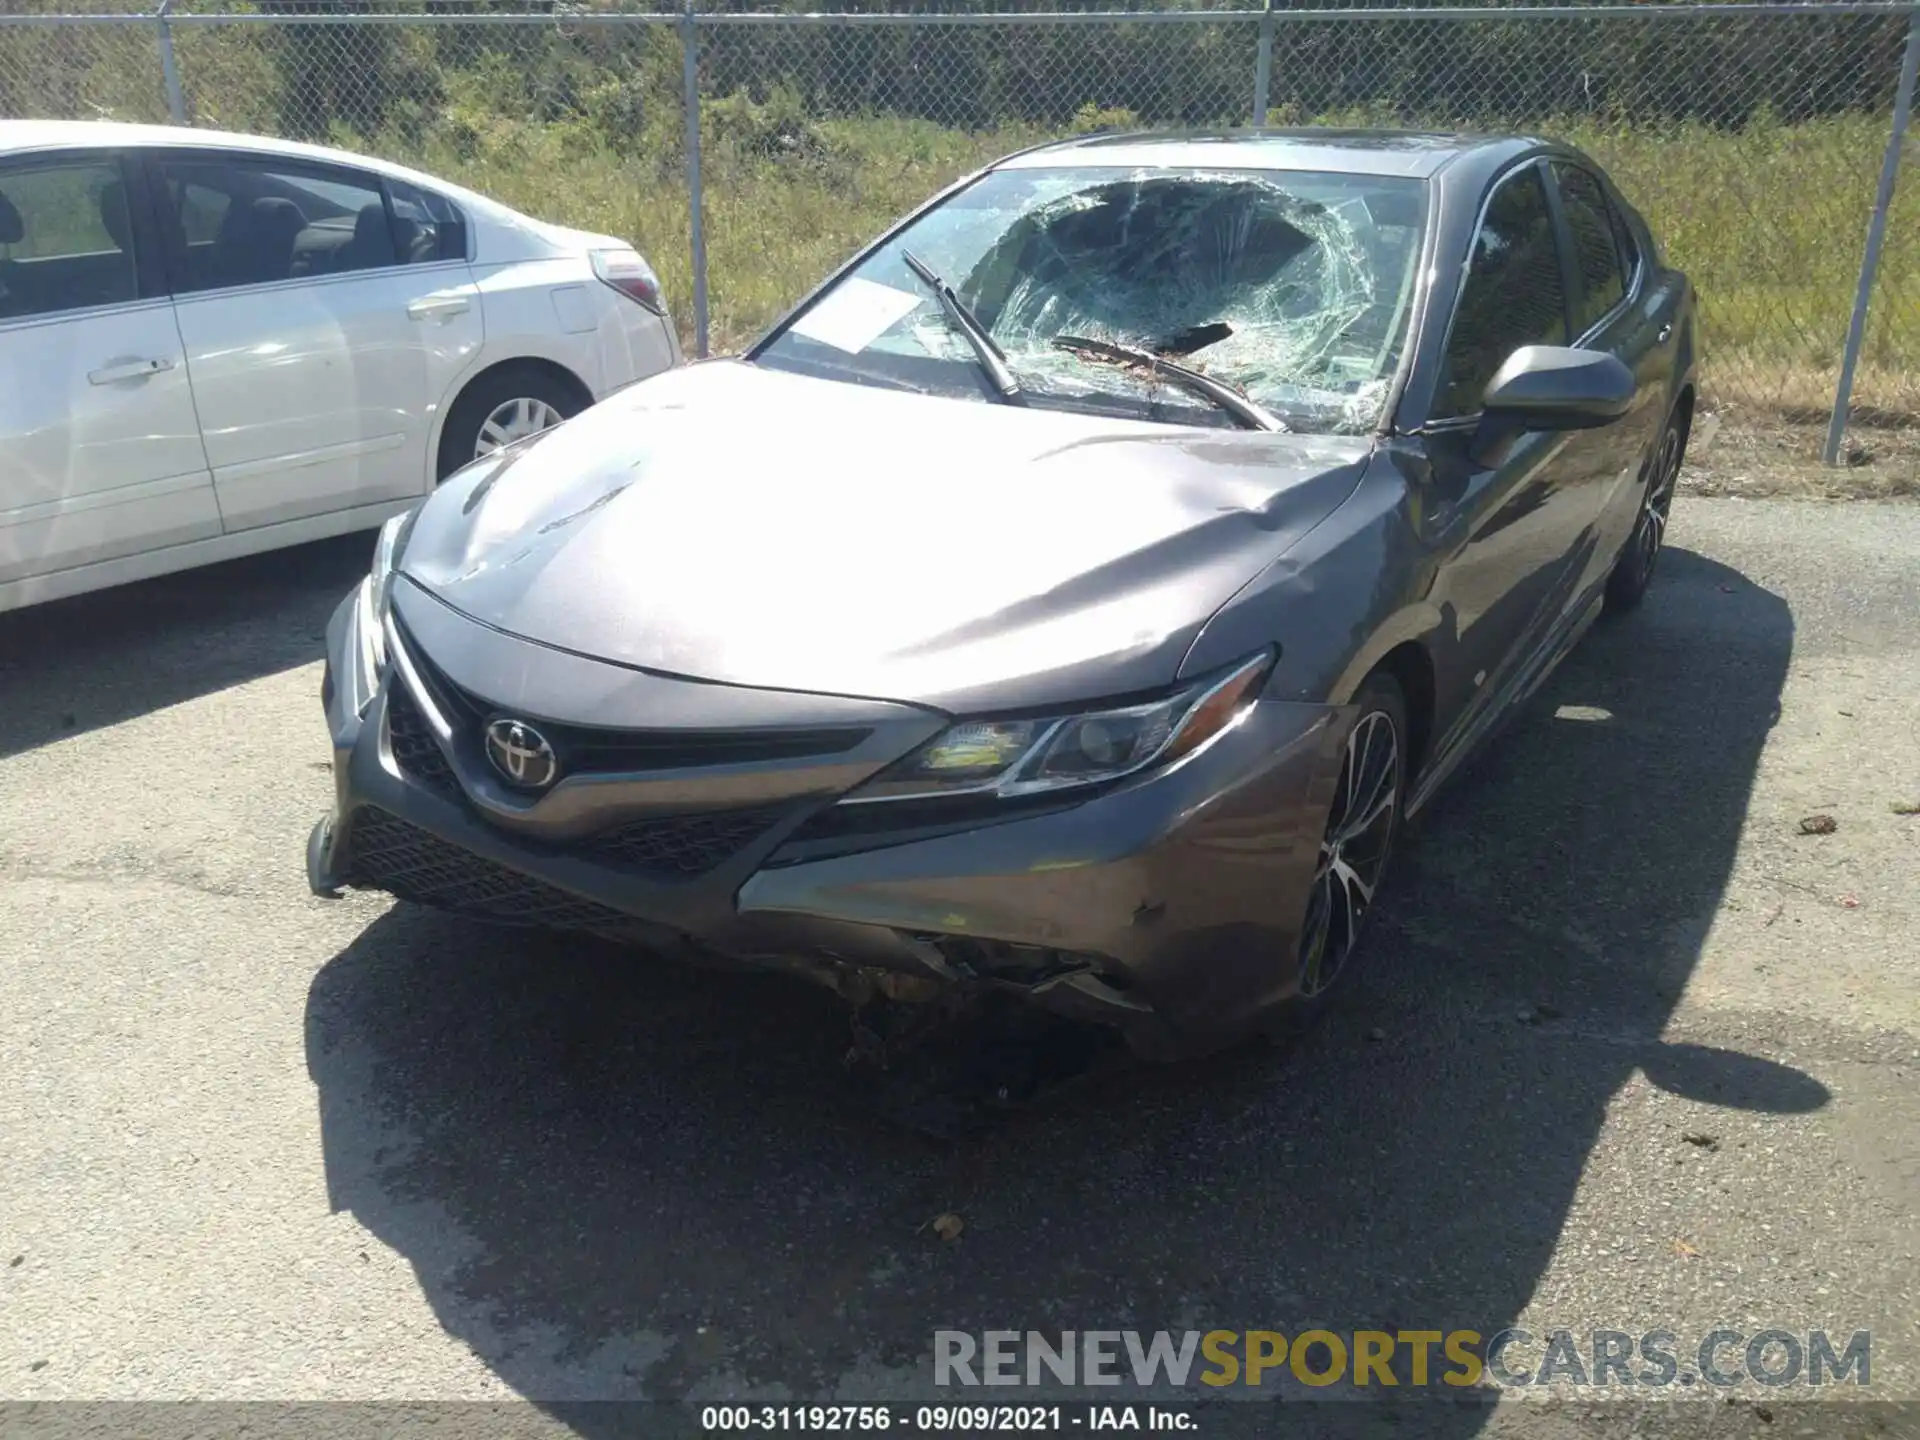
<point x="1631" y="1051"/>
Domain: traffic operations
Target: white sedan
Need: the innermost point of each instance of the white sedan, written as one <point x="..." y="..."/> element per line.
<point x="212" y="345"/>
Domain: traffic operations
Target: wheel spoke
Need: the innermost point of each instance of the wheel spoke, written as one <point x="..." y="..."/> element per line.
<point x="1651" y="532"/>
<point x="1379" y="800"/>
<point x="513" y="420"/>
<point x="1335" y="960"/>
<point x="1353" y="788"/>
<point x="1355" y="887"/>
<point x="1313" y="934"/>
<point x="1352" y="850"/>
<point x="1349" y="781"/>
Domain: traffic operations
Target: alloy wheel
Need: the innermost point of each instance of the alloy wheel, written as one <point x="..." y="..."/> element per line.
<point x="514" y="420"/>
<point x="1651" y="533"/>
<point x="1353" y="852"/>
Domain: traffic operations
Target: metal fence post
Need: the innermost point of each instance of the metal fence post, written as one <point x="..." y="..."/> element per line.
<point x="169" y="71"/>
<point x="690" y="56"/>
<point x="1876" y="237"/>
<point x="1263" y="65"/>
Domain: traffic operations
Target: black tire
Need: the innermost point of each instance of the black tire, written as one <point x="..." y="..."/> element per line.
<point x="1633" y="571"/>
<point x="1356" y="854"/>
<point x="460" y="437"/>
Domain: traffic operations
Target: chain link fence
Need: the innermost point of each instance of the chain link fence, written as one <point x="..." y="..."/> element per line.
<point x="1758" y="138"/>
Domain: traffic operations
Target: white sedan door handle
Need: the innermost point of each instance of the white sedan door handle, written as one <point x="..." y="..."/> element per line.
<point x="127" y="370"/>
<point x="433" y="307"/>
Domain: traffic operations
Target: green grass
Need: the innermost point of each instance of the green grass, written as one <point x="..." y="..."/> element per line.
<point x="1768" y="219"/>
<point x="774" y="227"/>
<point x="1769" y="222"/>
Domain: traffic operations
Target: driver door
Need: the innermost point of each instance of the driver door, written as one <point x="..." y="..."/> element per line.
<point x="1515" y="524"/>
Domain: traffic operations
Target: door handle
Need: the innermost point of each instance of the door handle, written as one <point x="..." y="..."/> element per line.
<point x="1665" y="331"/>
<point x="432" y="307"/>
<point x="127" y="370"/>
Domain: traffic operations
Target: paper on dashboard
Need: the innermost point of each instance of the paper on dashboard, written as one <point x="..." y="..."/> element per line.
<point x="856" y="313"/>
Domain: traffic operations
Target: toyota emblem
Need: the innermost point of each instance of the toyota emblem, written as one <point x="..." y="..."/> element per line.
<point x="521" y="754"/>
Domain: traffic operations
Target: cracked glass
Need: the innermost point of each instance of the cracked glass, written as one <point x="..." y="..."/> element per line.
<point x="1292" y="287"/>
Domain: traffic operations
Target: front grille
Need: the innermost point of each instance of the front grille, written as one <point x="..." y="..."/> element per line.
<point x="415" y="750"/>
<point x="665" y="846"/>
<point x="681" y="845"/>
<point x="591" y="749"/>
<point x="389" y="854"/>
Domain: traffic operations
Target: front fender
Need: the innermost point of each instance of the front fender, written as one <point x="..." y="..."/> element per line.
<point x="1339" y="599"/>
<point x="1420" y="623"/>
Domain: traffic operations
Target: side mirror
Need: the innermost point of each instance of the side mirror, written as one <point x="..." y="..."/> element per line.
<point x="1552" y="387"/>
<point x="1549" y="387"/>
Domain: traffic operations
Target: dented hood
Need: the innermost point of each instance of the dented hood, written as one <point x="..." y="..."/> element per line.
<point x="749" y="526"/>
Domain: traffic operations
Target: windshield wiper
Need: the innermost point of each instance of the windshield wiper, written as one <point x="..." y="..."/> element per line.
<point x="1252" y="416"/>
<point x="992" y="358"/>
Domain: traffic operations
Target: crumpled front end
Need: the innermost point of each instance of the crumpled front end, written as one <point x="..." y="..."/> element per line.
<point x="708" y="820"/>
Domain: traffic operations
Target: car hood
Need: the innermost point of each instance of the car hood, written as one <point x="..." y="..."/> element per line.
<point x="748" y="526"/>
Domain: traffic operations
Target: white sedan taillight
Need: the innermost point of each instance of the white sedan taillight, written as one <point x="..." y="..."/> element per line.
<point x="628" y="273"/>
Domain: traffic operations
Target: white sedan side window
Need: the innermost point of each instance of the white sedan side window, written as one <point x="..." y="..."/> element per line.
<point x="66" y="240"/>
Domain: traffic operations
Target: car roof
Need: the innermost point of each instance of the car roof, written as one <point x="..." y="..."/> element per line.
<point x="1418" y="153"/>
<point x="18" y="135"/>
<point x="21" y="136"/>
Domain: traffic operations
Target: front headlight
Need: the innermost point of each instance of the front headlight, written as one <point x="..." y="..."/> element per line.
<point x="1028" y="756"/>
<point x="375" y="594"/>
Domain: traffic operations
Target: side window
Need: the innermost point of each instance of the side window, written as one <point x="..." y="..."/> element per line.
<point x="428" y="226"/>
<point x="1513" y="295"/>
<point x="66" y="240"/>
<point x="1596" y="248"/>
<point x="200" y="210"/>
<point x="245" y="222"/>
<point x="1624" y="238"/>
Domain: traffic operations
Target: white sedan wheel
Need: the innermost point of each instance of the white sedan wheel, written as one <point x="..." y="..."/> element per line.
<point x="514" y="420"/>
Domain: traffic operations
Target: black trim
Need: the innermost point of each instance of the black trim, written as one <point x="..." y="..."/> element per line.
<point x="393" y="230"/>
<point x="600" y="750"/>
<point x="1573" y="286"/>
<point x="465" y="257"/>
<point x="149" y="236"/>
<point x="842" y="829"/>
<point x="1419" y="306"/>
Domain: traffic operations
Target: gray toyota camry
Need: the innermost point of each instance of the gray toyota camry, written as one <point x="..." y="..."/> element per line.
<point x="1071" y="599"/>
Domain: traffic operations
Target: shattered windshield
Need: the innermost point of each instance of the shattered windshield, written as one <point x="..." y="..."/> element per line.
<point x="1291" y="287"/>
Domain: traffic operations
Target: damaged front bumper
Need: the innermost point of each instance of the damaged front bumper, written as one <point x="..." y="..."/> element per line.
<point x="1168" y="906"/>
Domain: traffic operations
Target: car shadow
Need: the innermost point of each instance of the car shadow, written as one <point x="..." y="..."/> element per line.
<point x="618" y="1179"/>
<point x="85" y="663"/>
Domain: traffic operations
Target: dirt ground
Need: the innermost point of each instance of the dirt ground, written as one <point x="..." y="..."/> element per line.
<point x="1749" y="456"/>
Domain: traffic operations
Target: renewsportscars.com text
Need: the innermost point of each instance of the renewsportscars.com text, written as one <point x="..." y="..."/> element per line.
<point x="1510" y="1358"/>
